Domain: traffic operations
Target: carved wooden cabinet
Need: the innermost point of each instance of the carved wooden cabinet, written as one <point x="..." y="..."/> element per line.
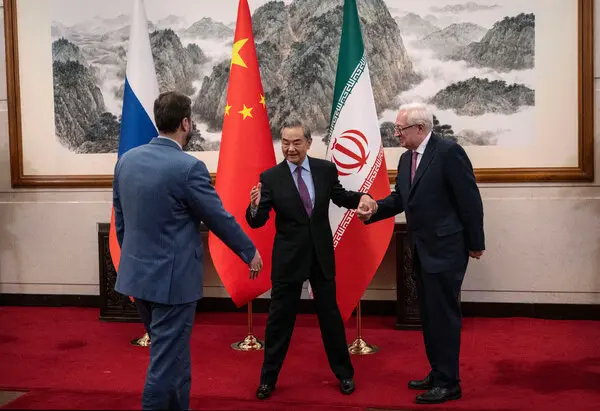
<point x="116" y="307"/>
<point x="407" y="307"/>
<point x="113" y="306"/>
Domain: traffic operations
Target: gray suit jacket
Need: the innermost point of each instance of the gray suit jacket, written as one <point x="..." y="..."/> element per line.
<point x="160" y="197"/>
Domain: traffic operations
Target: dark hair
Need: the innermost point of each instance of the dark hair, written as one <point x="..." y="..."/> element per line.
<point x="170" y="108"/>
<point x="293" y="123"/>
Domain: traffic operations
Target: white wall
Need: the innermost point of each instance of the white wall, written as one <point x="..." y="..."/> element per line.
<point x="543" y="240"/>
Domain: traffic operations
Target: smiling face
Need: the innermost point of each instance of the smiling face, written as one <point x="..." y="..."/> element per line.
<point x="409" y="135"/>
<point x="294" y="144"/>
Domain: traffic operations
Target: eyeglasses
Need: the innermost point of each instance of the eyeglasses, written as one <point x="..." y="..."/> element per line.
<point x="399" y="130"/>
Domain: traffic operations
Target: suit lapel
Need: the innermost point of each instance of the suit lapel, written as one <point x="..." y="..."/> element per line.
<point x="289" y="184"/>
<point x="317" y="179"/>
<point x="428" y="155"/>
<point x="404" y="172"/>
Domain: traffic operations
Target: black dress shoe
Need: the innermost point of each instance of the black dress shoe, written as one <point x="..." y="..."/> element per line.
<point x="437" y="395"/>
<point x="264" y="391"/>
<point x="424" y="384"/>
<point x="347" y="386"/>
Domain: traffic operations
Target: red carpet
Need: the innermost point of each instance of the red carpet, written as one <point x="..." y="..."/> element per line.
<point x="68" y="359"/>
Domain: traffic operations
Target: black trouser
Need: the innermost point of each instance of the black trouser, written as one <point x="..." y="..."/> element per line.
<point x="285" y="301"/>
<point x="145" y="315"/>
<point x="441" y="320"/>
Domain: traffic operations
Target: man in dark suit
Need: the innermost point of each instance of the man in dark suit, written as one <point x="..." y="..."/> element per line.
<point x="299" y="190"/>
<point x="436" y="189"/>
<point x="160" y="196"/>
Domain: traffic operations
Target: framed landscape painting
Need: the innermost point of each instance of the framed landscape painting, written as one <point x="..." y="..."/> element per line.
<point x="500" y="78"/>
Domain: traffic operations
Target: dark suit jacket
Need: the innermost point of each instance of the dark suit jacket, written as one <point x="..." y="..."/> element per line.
<point x="160" y="197"/>
<point x="443" y="207"/>
<point x="297" y="235"/>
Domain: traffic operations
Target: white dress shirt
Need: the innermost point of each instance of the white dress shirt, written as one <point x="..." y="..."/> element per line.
<point x="421" y="149"/>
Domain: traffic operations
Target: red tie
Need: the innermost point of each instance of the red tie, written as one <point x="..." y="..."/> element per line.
<point x="413" y="166"/>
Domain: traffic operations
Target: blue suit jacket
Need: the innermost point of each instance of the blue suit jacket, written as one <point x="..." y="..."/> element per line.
<point x="160" y="197"/>
<point x="443" y="207"/>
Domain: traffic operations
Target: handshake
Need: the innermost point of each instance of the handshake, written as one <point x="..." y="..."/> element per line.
<point x="366" y="208"/>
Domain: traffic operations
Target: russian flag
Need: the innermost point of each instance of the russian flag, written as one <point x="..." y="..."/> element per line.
<point x="141" y="89"/>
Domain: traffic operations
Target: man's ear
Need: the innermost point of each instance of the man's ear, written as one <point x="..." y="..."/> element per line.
<point x="186" y="125"/>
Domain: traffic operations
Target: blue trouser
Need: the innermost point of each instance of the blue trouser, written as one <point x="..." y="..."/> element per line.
<point x="168" y="379"/>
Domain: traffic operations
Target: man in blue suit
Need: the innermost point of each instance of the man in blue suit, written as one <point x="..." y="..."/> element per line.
<point x="436" y="189"/>
<point x="160" y="197"/>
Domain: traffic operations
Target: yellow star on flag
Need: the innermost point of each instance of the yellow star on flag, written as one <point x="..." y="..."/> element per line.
<point x="227" y="107"/>
<point x="235" y="55"/>
<point x="246" y="112"/>
<point x="262" y="101"/>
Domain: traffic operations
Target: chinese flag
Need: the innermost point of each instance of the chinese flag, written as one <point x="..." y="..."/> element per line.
<point x="246" y="151"/>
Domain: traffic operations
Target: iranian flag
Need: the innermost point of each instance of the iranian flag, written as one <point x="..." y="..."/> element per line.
<point x="356" y="149"/>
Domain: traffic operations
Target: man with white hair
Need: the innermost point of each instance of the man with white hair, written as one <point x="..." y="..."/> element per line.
<point x="436" y="188"/>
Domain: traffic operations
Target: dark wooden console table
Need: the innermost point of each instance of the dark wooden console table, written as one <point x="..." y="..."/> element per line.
<point x="113" y="306"/>
<point x="116" y="307"/>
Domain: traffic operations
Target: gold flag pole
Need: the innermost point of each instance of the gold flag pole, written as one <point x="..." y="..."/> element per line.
<point x="250" y="343"/>
<point x="360" y="346"/>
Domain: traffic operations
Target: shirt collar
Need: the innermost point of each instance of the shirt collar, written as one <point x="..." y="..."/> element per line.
<point x="305" y="165"/>
<point x="421" y="148"/>
<point x="176" y="142"/>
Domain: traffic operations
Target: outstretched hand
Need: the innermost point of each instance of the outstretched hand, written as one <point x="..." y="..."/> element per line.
<point x="255" y="195"/>
<point x="255" y="265"/>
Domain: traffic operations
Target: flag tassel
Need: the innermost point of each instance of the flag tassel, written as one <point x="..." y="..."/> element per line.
<point x="360" y="346"/>
<point x="250" y="343"/>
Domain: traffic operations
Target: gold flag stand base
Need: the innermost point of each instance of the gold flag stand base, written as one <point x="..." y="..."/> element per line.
<point x="250" y="343"/>
<point x="360" y="346"/>
<point x="142" y="341"/>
